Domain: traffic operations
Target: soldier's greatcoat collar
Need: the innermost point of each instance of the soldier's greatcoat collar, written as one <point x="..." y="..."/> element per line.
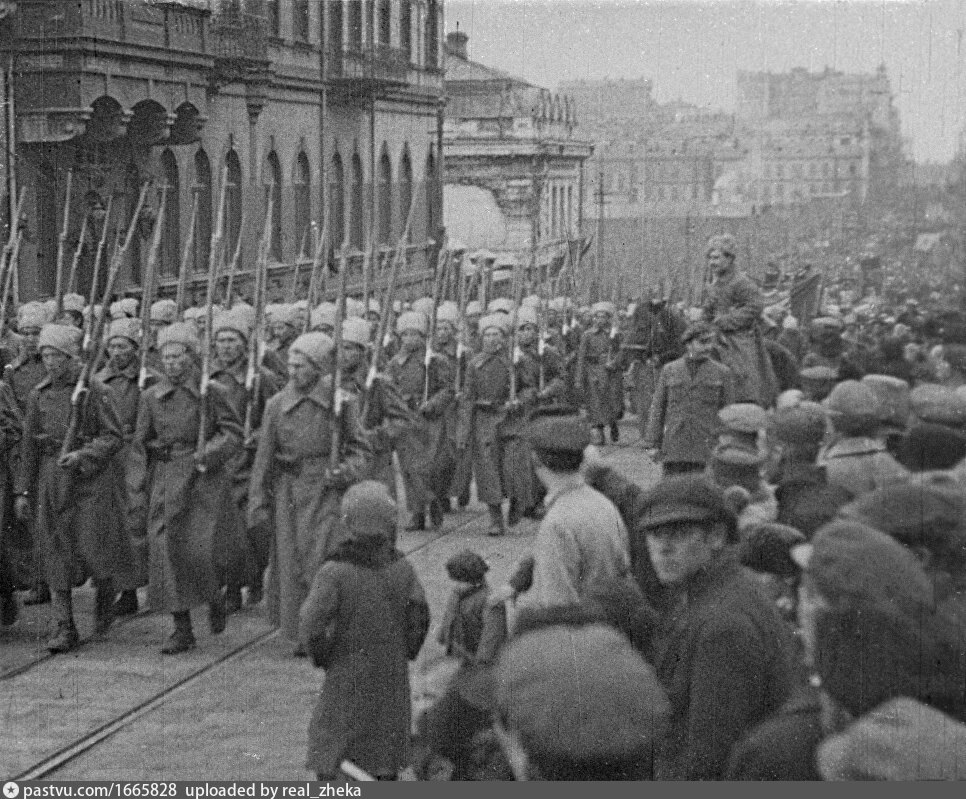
<point x="321" y="395"/>
<point x="132" y="371"/>
<point x="192" y="385"/>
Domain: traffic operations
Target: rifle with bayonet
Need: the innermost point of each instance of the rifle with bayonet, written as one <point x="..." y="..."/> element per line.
<point x="93" y="353"/>
<point x="189" y="248"/>
<point x="214" y="259"/>
<point x="78" y="251"/>
<point x="62" y="247"/>
<point x="515" y="354"/>
<point x="253" y="373"/>
<point x="335" y="445"/>
<point x="233" y="267"/>
<point x="321" y="243"/>
<point x="96" y="271"/>
<point x="10" y="257"/>
<point x="147" y="287"/>
<point x="442" y="265"/>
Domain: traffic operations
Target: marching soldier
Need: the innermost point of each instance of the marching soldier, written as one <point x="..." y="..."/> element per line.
<point x="285" y="328"/>
<point x="487" y="413"/>
<point x="599" y="373"/>
<point x="232" y="330"/>
<point x="11" y="429"/>
<point x="293" y="485"/>
<point x="522" y="488"/>
<point x="429" y="395"/>
<point x="182" y="494"/>
<point x="120" y="376"/>
<point x="162" y="314"/>
<point x="446" y="347"/>
<point x="70" y="496"/>
<point x="384" y="414"/>
<point x="22" y="374"/>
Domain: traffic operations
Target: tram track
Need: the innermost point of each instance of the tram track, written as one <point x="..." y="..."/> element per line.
<point x="49" y="765"/>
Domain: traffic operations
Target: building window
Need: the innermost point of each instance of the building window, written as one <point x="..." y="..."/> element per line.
<point x="337" y="202"/>
<point x="355" y="25"/>
<point x="432" y="34"/>
<point x="274" y="17"/>
<point x="300" y="20"/>
<point x="303" y="203"/>
<point x="335" y="25"/>
<point x="272" y="179"/>
<point x="385" y="23"/>
<point x="385" y="198"/>
<point x="406" y="28"/>
<point x="233" y="201"/>
<point x="203" y="230"/>
<point x="405" y="189"/>
<point x="171" y="241"/>
<point x="357" y="196"/>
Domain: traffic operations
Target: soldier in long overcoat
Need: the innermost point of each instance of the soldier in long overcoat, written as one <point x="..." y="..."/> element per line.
<point x="420" y="445"/>
<point x="11" y="429"/>
<point x="252" y="548"/>
<point x="384" y="415"/>
<point x="293" y="485"/>
<point x="79" y="529"/>
<point x="734" y="304"/>
<point x="365" y="618"/>
<point x="489" y="417"/>
<point x="121" y="375"/>
<point x="181" y="495"/>
<point x="599" y="373"/>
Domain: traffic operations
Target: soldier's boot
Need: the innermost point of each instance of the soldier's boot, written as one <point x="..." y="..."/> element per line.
<point x="217" y="614"/>
<point x="496" y="520"/>
<point x="9" y="610"/>
<point x="65" y="636"/>
<point x="462" y="501"/>
<point x="513" y="514"/>
<point x="233" y="599"/>
<point x="103" y="606"/>
<point x="417" y="523"/>
<point x="436" y="513"/>
<point x="126" y="604"/>
<point x="255" y="591"/>
<point x="615" y="433"/>
<point x="599" y="436"/>
<point x="38" y="595"/>
<point x="182" y="639"/>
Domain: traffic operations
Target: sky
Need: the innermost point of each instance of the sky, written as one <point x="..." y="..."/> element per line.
<point x="691" y="49"/>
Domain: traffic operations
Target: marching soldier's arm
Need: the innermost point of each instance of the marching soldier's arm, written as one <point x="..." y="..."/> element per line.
<point x="29" y="453"/>
<point x="554" y="384"/>
<point x="11" y="420"/>
<point x="528" y="380"/>
<point x="136" y="473"/>
<point x="226" y="435"/>
<point x="103" y="427"/>
<point x="389" y="415"/>
<point x="441" y="378"/>
<point x="260" y="481"/>
<point x="355" y="457"/>
<point x="464" y="415"/>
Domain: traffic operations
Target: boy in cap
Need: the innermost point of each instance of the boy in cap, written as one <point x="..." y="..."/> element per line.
<point x="475" y="625"/>
<point x="683" y="422"/>
<point x="600" y="373"/>
<point x="365" y="618"/>
<point x="725" y="656"/>
<point x="582" y="541"/>
<point x="69" y="496"/>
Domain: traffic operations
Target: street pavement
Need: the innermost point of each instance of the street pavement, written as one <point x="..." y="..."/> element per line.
<point x="245" y="715"/>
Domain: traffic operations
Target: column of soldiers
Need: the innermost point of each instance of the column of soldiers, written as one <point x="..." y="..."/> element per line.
<point x="210" y="494"/>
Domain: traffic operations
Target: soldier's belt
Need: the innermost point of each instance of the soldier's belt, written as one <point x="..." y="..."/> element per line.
<point x="50" y="447"/>
<point x="164" y="453"/>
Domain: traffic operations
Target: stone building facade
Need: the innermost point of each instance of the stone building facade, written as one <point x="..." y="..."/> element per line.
<point x="334" y="106"/>
<point x="513" y="163"/>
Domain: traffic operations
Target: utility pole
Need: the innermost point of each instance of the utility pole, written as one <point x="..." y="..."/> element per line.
<point x="600" y="197"/>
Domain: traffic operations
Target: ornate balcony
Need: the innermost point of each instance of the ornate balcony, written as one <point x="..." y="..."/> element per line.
<point x="378" y="66"/>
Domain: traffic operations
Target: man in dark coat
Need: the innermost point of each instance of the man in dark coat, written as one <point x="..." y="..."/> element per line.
<point x="723" y="654"/>
<point x="683" y="423"/>
<point x="599" y="372"/>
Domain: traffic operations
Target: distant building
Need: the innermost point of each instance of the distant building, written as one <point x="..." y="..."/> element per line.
<point x="329" y="105"/>
<point x="513" y="161"/>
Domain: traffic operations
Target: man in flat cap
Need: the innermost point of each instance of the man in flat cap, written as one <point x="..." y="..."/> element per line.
<point x="582" y="542"/>
<point x="683" y="423"/>
<point x="734" y="304"/>
<point x="724" y="656"/>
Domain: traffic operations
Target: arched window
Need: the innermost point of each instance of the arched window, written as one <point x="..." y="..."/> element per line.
<point x="355" y="25"/>
<point x="203" y="230"/>
<point x="337" y="229"/>
<point x="358" y="191"/>
<point x="405" y="189"/>
<point x="432" y="34"/>
<point x="335" y="23"/>
<point x="272" y="178"/>
<point x="171" y="243"/>
<point x="406" y="28"/>
<point x="432" y="220"/>
<point x="385" y="198"/>
<point x="385" y="22"/>
<point x="303" y="203"/>
<point x="233" y="203"/>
